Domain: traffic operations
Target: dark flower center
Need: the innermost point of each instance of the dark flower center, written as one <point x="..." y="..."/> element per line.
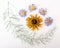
<point x="34" y="21"/>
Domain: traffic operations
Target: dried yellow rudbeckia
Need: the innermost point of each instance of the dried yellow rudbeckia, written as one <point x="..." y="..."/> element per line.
<point x="34" y="22"/>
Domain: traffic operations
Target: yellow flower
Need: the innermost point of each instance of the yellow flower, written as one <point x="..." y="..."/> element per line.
<point x="34" y="22"/>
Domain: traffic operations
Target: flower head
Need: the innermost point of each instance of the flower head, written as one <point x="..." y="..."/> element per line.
<point x="48" y="21"/>
<point x="32" y="7"/>
<point x="34" y="22"/>
<point x="42" y="11"/>
<point x="22" y="12"/>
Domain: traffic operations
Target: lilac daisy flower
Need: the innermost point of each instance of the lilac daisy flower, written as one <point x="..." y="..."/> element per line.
<point x="22" y="12"/>
<point x="32" y="7"/>
<point x="42" y="11"/>
<point x="48" y="21"/>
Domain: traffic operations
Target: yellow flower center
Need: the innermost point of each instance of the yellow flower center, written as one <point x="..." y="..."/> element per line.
<point x="23" y="13"/>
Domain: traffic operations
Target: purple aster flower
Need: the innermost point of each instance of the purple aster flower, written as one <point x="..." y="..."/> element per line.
<point x="42" y="11"/>
<point x="22" y="12"/>
<point x="48" y="21"/>
<point x="32" y="7"/>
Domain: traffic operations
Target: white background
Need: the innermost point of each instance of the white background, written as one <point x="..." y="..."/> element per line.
<point x="7" y="39"/>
